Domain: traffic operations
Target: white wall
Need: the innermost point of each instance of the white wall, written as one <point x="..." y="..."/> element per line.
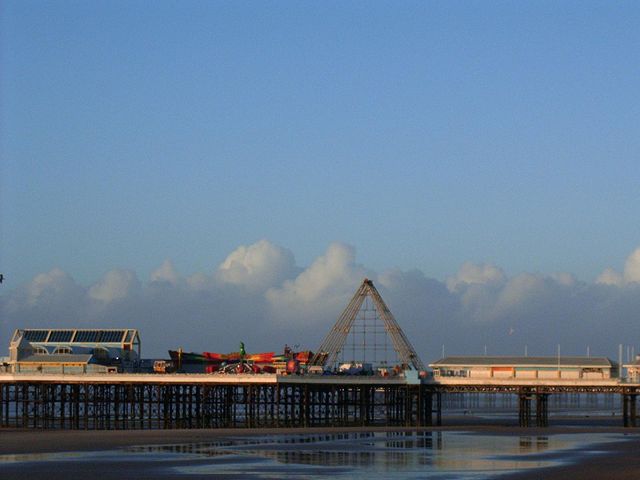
<point x="480" y="373"/>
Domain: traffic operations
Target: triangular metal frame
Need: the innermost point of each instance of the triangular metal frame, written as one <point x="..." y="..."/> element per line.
<point x="333" y="343"/>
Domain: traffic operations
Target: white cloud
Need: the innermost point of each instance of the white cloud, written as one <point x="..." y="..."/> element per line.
<point x="563" y="278"/>
<point x="260" y="296"/>
<point x="54" y="295"/>
<point x="331" y="274"/>
<point x="115" y="285"/>
<point x="519" y="290"/>
<point x="610" y="277"/>
<point x="330" y="279"/>
<point x="165" y="273"/>
<point x="258" y="266"/>
<point x="49" y="286"/>
<point x="474" y="273"/>
<point x="632" y="267"/>
<point x="200" y="281"/>
<point x="630" y="275"/>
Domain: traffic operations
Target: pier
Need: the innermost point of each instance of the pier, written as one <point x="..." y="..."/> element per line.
<point x="206" y="401"/>
<point x="87" y="379"/>
<point x="533" y="395"/>
<point x="139" y="401"/>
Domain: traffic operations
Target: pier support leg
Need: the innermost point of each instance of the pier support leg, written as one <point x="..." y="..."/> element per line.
<point x="525" y="410"/>
<point x="629" y="409"/>
<point x="426" y="408"/>
<point x="625" y="410"/>
<point x="542" y="410"/>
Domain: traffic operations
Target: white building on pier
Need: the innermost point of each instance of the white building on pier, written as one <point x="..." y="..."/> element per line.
<point x="526" y="368"/>
<point x="73" y="350"/>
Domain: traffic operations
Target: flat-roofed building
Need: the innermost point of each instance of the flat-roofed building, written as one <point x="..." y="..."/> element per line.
<point x="633" y="370"/>
<point x="526" y="368"/>
<point x="73" y="350"/>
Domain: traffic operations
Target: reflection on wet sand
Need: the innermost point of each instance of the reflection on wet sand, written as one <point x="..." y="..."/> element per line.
<point x="396" y="454"/>
<point x="358" y="455"/>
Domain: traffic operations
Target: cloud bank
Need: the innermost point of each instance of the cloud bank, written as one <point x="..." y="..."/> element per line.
<point x="259" y="295"/>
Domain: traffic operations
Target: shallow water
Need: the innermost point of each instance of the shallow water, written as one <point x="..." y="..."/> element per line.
<point x="388" y="455"/>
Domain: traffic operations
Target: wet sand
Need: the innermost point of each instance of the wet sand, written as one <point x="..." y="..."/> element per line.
<point x="618" y="460"/>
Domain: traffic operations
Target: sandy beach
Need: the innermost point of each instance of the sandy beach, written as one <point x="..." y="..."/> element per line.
<point x="616" y="460"/>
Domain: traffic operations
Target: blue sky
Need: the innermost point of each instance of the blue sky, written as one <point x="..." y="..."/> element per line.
<point x="479" y="160"/>
<point x="425" y="134"/>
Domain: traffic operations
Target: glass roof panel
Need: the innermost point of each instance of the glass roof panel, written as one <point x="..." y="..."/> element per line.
<point x="60" y="336"/>
<point x="112" y="336"/>
<point x="88" y="336"/>
<point x="36" y="335"/>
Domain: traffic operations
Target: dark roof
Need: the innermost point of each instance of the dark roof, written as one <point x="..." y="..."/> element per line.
<point x="77" y="335"/>
<point x="64" y="358"/>
<point x="516" y="361"/>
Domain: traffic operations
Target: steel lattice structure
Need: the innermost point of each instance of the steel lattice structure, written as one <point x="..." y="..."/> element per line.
<point x="334" y="342"/>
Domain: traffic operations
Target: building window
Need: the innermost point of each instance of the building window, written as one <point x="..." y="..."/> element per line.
<point x="62" y="351"/>
<point x="40" y="351"/>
